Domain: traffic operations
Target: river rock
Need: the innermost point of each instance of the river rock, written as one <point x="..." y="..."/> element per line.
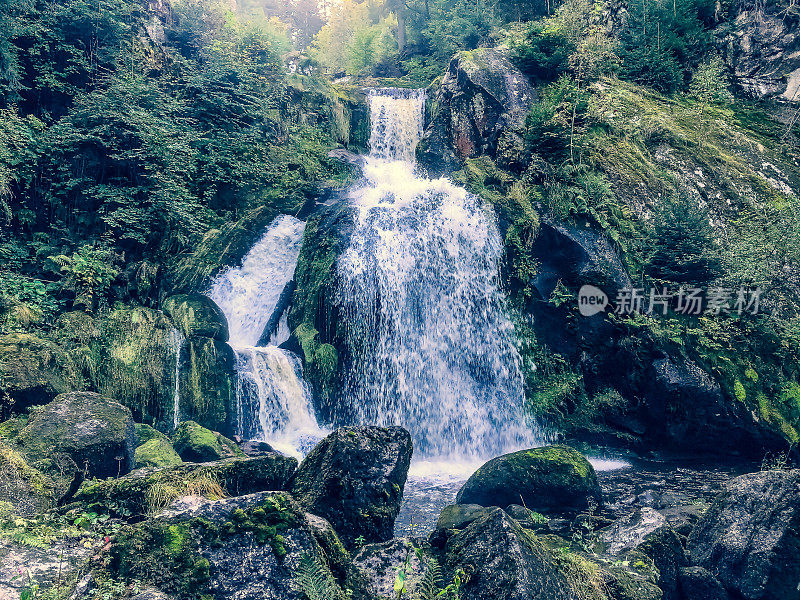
<point x="27" y="489"/>
<point x="354" y="478"/>
<point x="458" y="516"/>
<point x="34" y="371"/>
<point x="379" y="565"/>
<point x="750" y="536"/>
<point x="93" y="430"/>
<point x="553" y="478"/>
<point x="145" y="490"/>
<point x="58" y="563"/>
<point x="156" y="452"/>
<point x="630" y="531"/>
<point x="208" y="384"/>
<point x="197" y="315"/>
<point x="195" y="443"/>
<point x="696" y="583"/>
<point x="479" y="109"/>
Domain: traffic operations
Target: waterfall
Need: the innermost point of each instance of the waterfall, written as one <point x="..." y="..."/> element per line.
<point x="273" y="402"/>
<point x="175" y="344"/>
<point x="431" y="346"/>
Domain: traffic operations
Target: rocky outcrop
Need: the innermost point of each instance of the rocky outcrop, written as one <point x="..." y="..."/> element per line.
<point x="196" y="315"/>
<point x="553" y="478"/>
<point x="49" y="567"/>
<point x="195" y="443"/>
<point x="354" y="478"/>
<point x="696" y="583"/>
<point x="479" y="109"/>
<point x="750" y="536"/>
<point x="762" y="50"/>
<point x="93" y="430"/>
<point x="145" y="491"/>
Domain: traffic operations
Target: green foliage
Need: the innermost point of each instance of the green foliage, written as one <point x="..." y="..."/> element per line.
<point x="544" y="53"/>
<point x="315" y="581"/>
<point x="710" y="82"/>
<point x="88" y="272"/>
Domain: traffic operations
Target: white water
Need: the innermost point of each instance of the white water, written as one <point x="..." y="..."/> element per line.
<point x="274" y="404"/>
<point x="175" y="344"/>
<point x="432" y="348"/>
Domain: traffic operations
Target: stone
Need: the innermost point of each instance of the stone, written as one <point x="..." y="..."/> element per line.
<point x="354" y="478"/>
<point x="339" y="559"/>
<point x="208" y="384"/>
<point x="147" y="490"/>
<point x="28" y="490"/>
<point x="696" y="583"/>
<point x="145" y="433"/>
<point x="750" y="536"/>
<point x="380" y="563"/>
<point x="630" y="531"/>
<point x="60" y="562"/>
<point x="195" y="443"/>
<point x="156" y="452"/>
<point x="548" y="479"/>
<point x="93" y="430"/>
<point x="196" y="315"/>
<point x="458" y="516"/>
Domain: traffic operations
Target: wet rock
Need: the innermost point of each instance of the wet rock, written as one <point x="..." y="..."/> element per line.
<point x="58" y="563"/>
<point x="696" y="583"/>
<point x="195" y="443"/>
<point x="145" y="433"/>
<point x="553" y="478"/>
<point x="379" y="565"/>
<point x="28" y="490"/>
<point x="34" y="370"/>
<point x="635" y="583"/>
<point x="354" y="478"/>
<point x="339" y="559"/>
<point x="145" y="490"/>
<point x="479" y="109"/>
<point x="505" y="562"/>
<point x="255" y="448"/>
<point x="93" y="430"/>
<point x="459" y="516"/>
<point x="196" y="315"/>
<point x="156" y="452"/>
<point x="629" y="532"/>
<point x="750" y="536"/>
<point x="683" y="518"/>
<point x="151" y="594"/>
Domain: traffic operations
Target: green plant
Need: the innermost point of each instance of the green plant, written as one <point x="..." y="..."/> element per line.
<point x="315" y="581"/>
<point x="88" y="272"/>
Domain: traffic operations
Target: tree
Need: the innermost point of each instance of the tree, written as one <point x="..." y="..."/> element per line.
<point x="710" y="83"/>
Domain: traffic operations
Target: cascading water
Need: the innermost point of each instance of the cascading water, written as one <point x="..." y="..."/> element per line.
<point x="176" y="343"/>
<point x="431" y="346"/>
<point x="273" y="401"/>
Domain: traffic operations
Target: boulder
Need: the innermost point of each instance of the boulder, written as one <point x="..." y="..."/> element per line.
<point x="354" y="478"/>
<point x="195" y="443"/>
<point x="145" y="491"/>
<point x="750" y="536"/>
<point x="27" y="489"/>
<point x="207" y="384"/>
<point x="156" y="452"/>
<point x="458" y="516"/>
<point x="630" y="531"/>
<point x="553" y="478"/>
<point x="94" y="431"/>
<point x="34" y="371"/>
<point x="696" y="583"/>
<point x="339" y="559"/>
<point x="58" y="563"/>
<point x="252" y="547"/>
<point x="145" y="433"/>
<point x="196" y="315"/>
<point x="479" y="109"/>
<point x="379" y="564"/>
<point x="505" y="562"/>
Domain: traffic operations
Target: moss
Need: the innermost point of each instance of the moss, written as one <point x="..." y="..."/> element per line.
<point x="156" y="452"/>
<point x="195" y="443"/>
<point x="9" y="430"/>
<point x="26" y="488"/>
<point x="208" y="384"/>
<point x="145" y="433"/>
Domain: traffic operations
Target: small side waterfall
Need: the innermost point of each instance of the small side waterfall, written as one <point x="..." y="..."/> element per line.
<point x="273" y="402"/>
<point x="432" y="348"/>
<point x="175" y="344"/>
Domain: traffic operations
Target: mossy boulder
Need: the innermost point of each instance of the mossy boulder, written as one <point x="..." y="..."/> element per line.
<point x="35" y="370"/>
<point x="93" y="430"/>
<point x="195" y="443"/>
<point x="354" y="478"/>
<point x="156" y="452"/>
<point x="146" y="491"/>
<point x="553" y="478"/>
<point x="27" y="489"/>
<point x="197" y="315"/>
<point x="208" y="384"/>
<point x="145" y="433"/>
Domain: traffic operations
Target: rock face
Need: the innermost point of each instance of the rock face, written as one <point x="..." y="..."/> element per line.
<point x="195" y="443"/>
<point x="197" y="315"/>
<point x="34" y="371"/>
<point x="547" y="479"/>
<point x="479" y="109"/>
<point x="354" y="478"/>
<point x="750" y="536"/>
<point x="379" y="565"/>
<point x="59" y="562"/>
<point x="506" y="562"/>
<point x="695" y="583"/>
<point x="763" y="51"/>
<point x="91" y="429"/>
<point x="145" y="490"/>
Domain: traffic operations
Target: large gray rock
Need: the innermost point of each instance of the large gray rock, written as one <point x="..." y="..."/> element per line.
<point x="696" y="583"/>
<point x="93" y="430"/>
<point x="479" y="109"/>
<point x="197" y="315"/>
<point x="750" y="536"/>
<point x="553" y="478"/>
<point x="379" y="565"/>
<point x="354" y="478"/>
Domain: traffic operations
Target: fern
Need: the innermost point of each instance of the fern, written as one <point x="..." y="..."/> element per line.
<point x="315" y="581"/>
<point x="429" y="587"/>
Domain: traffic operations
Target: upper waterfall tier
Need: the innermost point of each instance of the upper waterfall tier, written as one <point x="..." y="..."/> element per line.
<point x="248" y="294"/>
<point x="396" y="118"/>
